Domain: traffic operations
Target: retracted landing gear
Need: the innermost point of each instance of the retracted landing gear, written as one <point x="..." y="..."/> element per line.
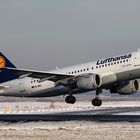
<point x="70" y="99"/>
<point x="97" y="101"/>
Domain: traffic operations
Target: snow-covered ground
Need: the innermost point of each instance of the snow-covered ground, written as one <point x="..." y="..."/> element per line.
<point x="76" y="130"/>
<point x="67" y="130"/>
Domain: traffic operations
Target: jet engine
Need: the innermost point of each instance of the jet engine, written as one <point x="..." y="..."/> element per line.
<point x="89" y="82"/>
<point x="124" y="88"/>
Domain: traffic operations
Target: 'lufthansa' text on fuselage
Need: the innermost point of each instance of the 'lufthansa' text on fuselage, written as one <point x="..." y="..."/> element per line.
<point x="113" y="59"/>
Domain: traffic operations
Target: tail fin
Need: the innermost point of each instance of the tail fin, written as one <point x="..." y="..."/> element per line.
<point x="6" y="76"/>
<point x="4" y="62"/>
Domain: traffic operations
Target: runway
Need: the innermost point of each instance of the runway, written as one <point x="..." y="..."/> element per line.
<point x="118" y="114"/>
<point x="46" y="120"/>
<point x="95" y="118"/>
<point x="113" y="111"/>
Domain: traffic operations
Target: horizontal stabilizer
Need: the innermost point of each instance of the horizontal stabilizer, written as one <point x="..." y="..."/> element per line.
<point x="4" y="87"/>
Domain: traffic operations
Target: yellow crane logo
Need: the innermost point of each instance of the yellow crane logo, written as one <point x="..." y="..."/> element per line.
<point x="2" y="62"/>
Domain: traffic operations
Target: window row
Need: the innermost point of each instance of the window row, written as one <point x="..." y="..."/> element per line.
<point x="79" y="71"/>
<point x="34" y="81"/>
<point x="105" y="65"/>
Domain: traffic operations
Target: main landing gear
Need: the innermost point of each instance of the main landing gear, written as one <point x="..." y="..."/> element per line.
<point x="70" y="99"/>
<point x="97" y="101"/>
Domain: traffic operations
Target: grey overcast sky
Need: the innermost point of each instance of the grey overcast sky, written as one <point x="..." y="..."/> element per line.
<point x="42" y="34"/>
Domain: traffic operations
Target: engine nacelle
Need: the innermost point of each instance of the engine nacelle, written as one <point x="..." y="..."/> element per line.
<point x="126" y="88"/>
<point x="89" y="82"/>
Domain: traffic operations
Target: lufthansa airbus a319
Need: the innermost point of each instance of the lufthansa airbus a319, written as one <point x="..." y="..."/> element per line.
<point x="117" y="74"/>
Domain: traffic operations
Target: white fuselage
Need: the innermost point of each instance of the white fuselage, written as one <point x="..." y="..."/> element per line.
<point x="125" y="67"/>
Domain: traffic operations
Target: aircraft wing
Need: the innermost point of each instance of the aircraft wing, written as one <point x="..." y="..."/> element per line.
<point x="37" y="74"/>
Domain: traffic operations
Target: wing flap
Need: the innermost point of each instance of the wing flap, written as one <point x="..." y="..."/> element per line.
<point x="21" y="73"/>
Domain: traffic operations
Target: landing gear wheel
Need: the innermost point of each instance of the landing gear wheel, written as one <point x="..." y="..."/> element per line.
<point x="70" y="99"/>
<point x="96" y="102"/>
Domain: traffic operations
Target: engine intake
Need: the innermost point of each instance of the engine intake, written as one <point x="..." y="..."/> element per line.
<point x="90" y="82"/>
<point x="130" y="87"/>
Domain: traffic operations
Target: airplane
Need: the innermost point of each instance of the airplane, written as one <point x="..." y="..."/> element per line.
<point x="118" y="74"/>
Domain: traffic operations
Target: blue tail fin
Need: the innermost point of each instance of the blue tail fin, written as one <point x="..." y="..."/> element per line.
<point x="4" y="62"/>
<point x="4" y="75"/>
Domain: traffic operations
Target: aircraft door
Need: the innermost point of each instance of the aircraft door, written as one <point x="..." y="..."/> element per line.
<point x="21" y="86"/>
<point x="137" y="59"/>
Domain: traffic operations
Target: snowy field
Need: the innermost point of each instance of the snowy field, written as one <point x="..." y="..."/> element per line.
<point x="68" y="130"/>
